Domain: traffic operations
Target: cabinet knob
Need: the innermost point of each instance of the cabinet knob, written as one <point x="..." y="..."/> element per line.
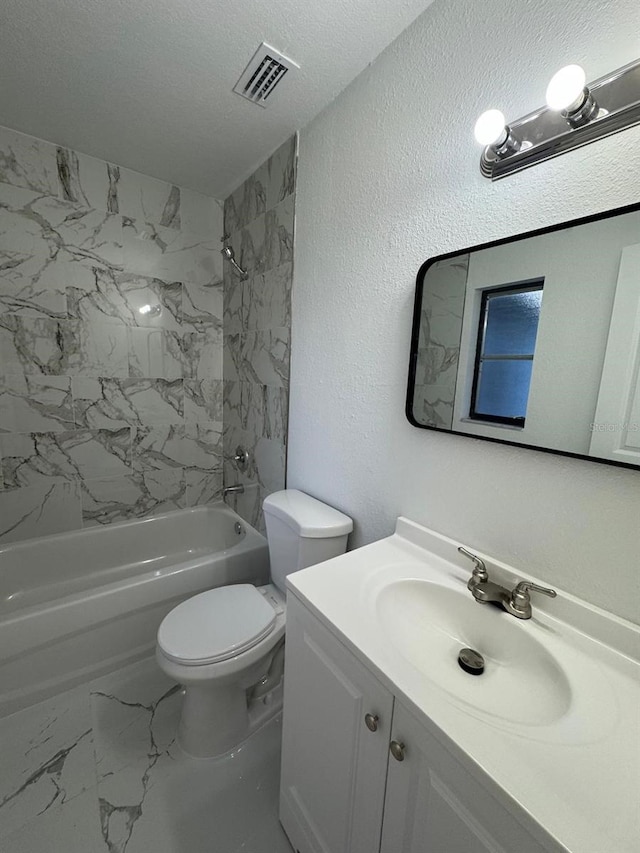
<point x="371" y="722"/>
<point x="397" y="750"/>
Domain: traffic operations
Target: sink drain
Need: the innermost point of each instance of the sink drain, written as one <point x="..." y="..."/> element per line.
<point x="471" y="661"/>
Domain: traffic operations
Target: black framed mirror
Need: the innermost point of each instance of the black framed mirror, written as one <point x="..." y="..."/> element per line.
<point x="534" y="340"/>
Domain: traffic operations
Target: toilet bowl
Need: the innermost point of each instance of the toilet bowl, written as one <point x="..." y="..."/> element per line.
<point x="224" y="646"/>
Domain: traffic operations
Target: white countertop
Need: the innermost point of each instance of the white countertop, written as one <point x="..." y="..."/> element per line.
<point x="577" y="777"/>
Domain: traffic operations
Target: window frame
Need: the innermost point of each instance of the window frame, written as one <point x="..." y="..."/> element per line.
<point x="529" y="286"/>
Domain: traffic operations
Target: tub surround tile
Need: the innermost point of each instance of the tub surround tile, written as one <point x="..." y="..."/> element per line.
<point x="267" y="298"/>
<point x="38" y="231"/>
<point x="63" y="347"/>
<point x="87" y="181"/>
<point x="28" y="162"/>
<point x="35" y="403"/>
<point x="156" y="401"/>
<point x="234" y="306"/>
<point x="111" y="349"/>
<point x="202" y="307"/>
<point x="266" y="460"/>
<point x="34" y="458"/>
<point x="269" y="456"/>
<point x="36" y="346"/>
<point x="266" y="242"/>
<point x="149" y="200"/>
<point x="122" y="298"/>
<point x="281" y="173"/>
<point x="152" y="302"/>
<point x="101" y="403"/>
<point x="200" y="215"/>
<point x="155" y="354"/>
<point x="203" y="487"/>
<point x="101" y="349"/>
<point x="194" y="447"/>
<point x="169" y="254"/>
<point x="264" y="357"/>
<point x="246" y="203"/>
<point x="159" y="447"/>
<point x="202" y="352"/>
<point x="272" y="182"/>
<point x="259" y="223"/>
<point x="244" y="407"/>
<point x="278" y="235"/>
<point x="105" y="403"/>
<point x="203" y="400"/>
<point x="142" y="493"/>
<point x="39" y="510"/>
<point x="276" y="412"/>
<point x="262" y="410"/>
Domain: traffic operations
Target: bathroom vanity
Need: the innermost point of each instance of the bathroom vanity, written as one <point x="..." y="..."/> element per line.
<point x="390" y="746"/>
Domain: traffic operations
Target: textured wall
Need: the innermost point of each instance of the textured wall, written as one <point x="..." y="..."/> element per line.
<point x="258" y="223"/>
<point x="110" y="342"/>
<point x="388" y="177"/>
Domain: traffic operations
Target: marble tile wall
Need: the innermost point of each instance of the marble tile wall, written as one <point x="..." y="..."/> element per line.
<point x="259" y="225"/>
<point x="111" y="341"/>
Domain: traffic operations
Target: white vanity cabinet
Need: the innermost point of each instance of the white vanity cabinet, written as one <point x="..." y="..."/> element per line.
<point x="395" y="789"/>
<point x="433" y="805"/>
<point x="333" y="765"/>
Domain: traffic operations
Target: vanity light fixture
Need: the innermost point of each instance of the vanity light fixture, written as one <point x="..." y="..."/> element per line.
<point x="492" y="130"/>
<point x="568" y="95"/>
<point x="575" y="115"/>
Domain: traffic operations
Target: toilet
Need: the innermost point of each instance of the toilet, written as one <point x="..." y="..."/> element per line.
<point x="226" y="645"/>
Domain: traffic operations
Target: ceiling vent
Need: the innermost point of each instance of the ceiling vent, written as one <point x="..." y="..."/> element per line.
<point x="263" y="75"/>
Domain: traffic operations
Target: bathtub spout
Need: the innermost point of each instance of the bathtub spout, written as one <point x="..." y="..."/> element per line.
<point x="237" y="489"/>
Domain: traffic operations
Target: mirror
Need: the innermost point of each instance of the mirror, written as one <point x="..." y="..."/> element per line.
<point x="535" y="340"/>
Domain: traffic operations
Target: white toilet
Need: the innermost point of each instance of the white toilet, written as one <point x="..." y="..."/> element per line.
<point x="225" y="646"/>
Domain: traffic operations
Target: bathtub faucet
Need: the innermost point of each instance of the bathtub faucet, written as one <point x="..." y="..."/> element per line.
<point x="237" y="489"/>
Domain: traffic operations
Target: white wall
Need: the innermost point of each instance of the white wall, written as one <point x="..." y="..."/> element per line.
<point x="388" y="176"/>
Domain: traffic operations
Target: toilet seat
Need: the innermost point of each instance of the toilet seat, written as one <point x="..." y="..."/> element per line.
<point x="216" y="625"/>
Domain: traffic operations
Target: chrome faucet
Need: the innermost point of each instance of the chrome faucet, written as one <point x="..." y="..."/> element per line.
<point x="237" y="489"/>
<point x="517" y="601"/>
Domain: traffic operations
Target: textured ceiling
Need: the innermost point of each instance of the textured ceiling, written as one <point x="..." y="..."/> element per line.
<point x="147" y="84"/>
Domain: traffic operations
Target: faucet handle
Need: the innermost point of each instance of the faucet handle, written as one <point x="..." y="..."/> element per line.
<point x="480" y="573"/>
<point x="520" y="602"/>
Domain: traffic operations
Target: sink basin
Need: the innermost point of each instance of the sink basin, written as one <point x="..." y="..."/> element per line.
<point x="428" y="624"/>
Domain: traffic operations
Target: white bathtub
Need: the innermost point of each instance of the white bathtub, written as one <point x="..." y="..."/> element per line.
<point x="76" y="605"/>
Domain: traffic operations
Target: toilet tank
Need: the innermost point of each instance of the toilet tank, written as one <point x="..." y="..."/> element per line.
<point x="302" y="531"/>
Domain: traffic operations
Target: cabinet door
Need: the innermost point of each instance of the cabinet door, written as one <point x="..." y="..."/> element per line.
<point x="434" y="806"/>
<point x="333" y="766"/>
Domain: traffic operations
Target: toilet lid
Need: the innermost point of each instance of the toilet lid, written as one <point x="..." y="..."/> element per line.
<point x="216" y="625"/>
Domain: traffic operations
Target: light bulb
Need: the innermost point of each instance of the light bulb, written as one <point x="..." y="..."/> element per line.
<point x="490" y="127"/>
<point x="565" y="87"/>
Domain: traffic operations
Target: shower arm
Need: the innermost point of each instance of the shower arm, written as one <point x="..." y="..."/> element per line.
<point x="229" y="255"/>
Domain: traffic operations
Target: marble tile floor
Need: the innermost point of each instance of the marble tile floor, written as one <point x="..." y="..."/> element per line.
<point x="97" y="770"/>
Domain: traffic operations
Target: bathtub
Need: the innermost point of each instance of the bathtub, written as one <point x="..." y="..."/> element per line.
<point x="76" y="605"/>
